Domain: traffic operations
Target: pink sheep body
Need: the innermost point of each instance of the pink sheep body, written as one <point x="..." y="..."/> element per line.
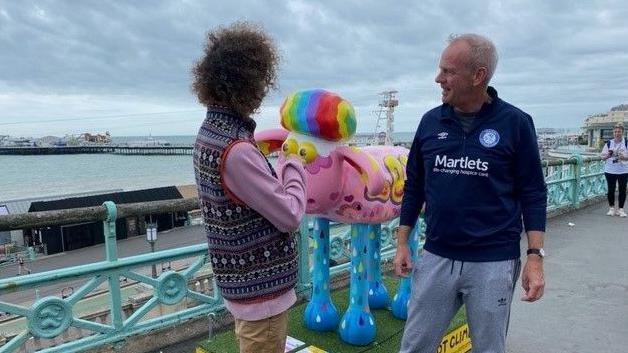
<point x="337" y="187"/>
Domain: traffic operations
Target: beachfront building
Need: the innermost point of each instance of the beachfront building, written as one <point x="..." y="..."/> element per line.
<point x="599" y="127"/>
<point x="67" y="237"/>
<point x="25" y="237"/>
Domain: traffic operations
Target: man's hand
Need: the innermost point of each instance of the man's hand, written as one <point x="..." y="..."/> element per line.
<point x="532" y="279"/>
<point x="402" y="262"/>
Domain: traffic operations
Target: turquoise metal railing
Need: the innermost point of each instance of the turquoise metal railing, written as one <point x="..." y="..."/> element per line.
<point x="569" y="183"/>
<point x="51" y="316"/>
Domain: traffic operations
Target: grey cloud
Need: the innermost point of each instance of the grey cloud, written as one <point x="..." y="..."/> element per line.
<point x="560" y="59"/>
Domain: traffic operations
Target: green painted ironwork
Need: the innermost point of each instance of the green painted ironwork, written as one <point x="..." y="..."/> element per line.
<point x="51" y="316"/>
<point x="569" y="183"/>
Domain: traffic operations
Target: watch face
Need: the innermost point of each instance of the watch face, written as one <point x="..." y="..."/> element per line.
<point x="542" y="252"/>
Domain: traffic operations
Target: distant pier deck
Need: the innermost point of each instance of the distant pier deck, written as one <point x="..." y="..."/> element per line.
<point x="164" y="150"/>
<point x="108" y="149"/>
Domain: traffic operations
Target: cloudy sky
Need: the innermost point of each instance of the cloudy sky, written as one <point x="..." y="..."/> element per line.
<point x="124" y="66"/>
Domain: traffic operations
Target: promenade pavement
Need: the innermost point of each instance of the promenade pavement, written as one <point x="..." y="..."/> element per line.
<point x="585" y="306"/>
<point x="127" y="247"/>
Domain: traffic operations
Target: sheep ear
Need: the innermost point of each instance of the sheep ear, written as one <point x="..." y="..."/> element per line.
<point x="269" y="141"/>
<point x="370" y="172"/>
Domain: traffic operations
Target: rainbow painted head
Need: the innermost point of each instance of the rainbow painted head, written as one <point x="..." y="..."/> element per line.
<point x="318" y="113"/>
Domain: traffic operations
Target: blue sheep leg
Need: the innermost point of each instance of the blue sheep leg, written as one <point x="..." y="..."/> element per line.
<point x="357" y="326"/>
<point x="320" y="313"/>
<point x="378" y="294"/>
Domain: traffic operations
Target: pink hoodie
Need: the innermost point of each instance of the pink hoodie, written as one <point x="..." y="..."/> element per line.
<point x="282" y="201"/>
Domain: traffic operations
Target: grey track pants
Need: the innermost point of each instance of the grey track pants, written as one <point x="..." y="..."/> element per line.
<point x="439" y="288"/>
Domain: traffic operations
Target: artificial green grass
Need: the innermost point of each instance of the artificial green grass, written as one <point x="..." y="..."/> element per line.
<point x="387" y="339"/>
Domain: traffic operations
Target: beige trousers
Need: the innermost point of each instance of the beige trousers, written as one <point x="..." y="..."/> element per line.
<point x="267" y="335"/>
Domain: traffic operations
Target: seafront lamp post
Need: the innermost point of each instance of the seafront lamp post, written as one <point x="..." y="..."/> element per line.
<point x="151" y="238"/>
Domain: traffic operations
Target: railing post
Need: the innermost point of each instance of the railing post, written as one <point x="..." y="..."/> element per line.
<point x="575" y="200"/>
<point x="111" y="249"/>
<point x="31" y="253"/>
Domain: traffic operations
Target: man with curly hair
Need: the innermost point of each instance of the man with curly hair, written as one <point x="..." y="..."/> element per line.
<point x="249" y="211"/>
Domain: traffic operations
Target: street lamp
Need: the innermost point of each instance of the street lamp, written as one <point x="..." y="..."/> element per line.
<point x="151" y="238"/>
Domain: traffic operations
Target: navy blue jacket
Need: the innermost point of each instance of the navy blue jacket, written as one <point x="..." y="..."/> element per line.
<point x="477" y="186"/>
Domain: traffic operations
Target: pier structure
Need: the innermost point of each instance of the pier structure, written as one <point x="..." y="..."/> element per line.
<point x="102" y="149"/>
<point x="153" y="150"/>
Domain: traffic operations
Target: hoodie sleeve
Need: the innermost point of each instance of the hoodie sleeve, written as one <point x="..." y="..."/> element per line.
<point x="248" y="177"/>
<point x="530" y="183"/>
<point x="414" y="187"/>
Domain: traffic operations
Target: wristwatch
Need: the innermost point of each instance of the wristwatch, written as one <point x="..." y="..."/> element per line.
<point x="540" y="252"/>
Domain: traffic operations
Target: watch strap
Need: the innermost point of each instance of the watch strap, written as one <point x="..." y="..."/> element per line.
<point x="535" y="252"/>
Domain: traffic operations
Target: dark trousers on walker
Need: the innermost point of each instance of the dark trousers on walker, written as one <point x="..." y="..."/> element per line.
<point x="611" y="181"/>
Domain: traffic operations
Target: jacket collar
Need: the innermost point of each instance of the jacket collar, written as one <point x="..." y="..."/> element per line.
<point x="242" y="125"/>
<point x="447" y="111"/>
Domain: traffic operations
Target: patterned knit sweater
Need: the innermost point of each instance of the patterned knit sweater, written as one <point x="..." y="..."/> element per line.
<point x="251" y="259"/>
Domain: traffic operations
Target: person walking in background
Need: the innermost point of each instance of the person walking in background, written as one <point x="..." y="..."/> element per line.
<point x="615" y="156"/>
<point x="475" y="163"/>
<point x="249" y="211"/>
<point x="21" y="268"/>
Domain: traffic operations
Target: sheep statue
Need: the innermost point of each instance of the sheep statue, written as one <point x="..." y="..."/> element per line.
<point x="359" y="186"/>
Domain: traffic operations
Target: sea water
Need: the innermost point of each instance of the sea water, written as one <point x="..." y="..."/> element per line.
<point x="49" y="175"/>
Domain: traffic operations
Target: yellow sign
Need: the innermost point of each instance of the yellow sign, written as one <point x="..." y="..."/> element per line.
<point x="457" y="341"/>
<point x="311" y="349"/>
<point x="199" y="350"/>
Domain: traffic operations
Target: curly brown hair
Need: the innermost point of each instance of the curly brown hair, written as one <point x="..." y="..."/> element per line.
<point x="238" y="68"/>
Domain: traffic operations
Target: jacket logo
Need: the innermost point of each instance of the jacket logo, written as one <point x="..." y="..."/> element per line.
<point x="489" y="138"/>
<point x="501" y="301"/>
<point x="462" y="162"/>
<point x="442" y="135"/>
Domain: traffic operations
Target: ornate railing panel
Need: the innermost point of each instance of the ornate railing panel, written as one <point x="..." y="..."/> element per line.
<point x="571" y="181"/>
<point x="592" y="182"/>
<point x="52" y="316"/>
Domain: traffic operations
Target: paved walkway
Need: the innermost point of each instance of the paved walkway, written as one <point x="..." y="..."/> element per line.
<point x="137" y="245"/>
<point x="585" y="307"/>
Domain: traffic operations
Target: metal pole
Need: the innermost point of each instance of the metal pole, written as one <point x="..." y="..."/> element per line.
<point x="575" y="201"/>
<point x="111" y="255"/>
<point x="62" y="240"/>
<point x="154" y="267"/>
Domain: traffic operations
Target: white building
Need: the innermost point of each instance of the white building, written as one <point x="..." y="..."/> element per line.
<point x="599" y="127"/>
